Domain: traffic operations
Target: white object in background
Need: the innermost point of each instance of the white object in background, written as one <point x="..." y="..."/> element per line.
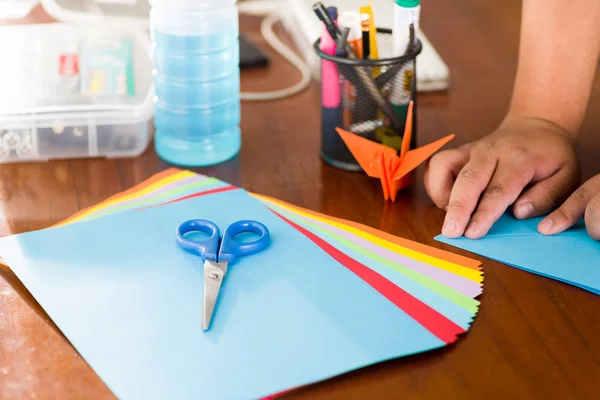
<point x="303" y="25"/>
<point x="125" y="2"/>
<point x="130" y="11"/>
<point x="16" y="9"/>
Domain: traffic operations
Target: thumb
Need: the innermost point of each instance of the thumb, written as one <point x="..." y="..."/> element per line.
<point x="547" y="194"/>
<point x="440" y="172"/>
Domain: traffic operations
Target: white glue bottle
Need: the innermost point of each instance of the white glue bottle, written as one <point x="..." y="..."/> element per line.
<point x="406" y="12"/>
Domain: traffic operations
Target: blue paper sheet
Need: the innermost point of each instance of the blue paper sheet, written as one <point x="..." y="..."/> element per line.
<point x="572" y="256"/>
<point x="129" y="300"/>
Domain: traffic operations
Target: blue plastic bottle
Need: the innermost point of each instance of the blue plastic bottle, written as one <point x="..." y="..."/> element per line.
<point x="195" y="52"/>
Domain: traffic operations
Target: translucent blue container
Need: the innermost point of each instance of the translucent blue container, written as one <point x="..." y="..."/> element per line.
<point x="195" y="56"/>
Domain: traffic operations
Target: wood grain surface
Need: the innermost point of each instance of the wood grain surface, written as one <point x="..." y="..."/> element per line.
<point x="534" y="338"/>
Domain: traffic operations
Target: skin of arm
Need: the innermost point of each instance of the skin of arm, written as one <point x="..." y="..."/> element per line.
<point x="558" y="55"/>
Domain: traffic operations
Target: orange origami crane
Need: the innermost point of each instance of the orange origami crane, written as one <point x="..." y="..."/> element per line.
<point x="383" y="162"/>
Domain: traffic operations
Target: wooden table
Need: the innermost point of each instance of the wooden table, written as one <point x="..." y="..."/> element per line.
<point x="533" y="337"/>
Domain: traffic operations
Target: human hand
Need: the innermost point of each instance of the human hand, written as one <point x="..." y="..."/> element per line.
<point x="584" y="202"/>
<point x="477" y="182"/>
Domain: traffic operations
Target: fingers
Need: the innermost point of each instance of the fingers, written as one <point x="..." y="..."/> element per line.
<point x="505" y="186"/>
<point x="470" y="183"/>
<point x="571" y="210"/>
<point x="592" y="217"/>
<point x="440" y="173"/>
<point x="547" y="194"/>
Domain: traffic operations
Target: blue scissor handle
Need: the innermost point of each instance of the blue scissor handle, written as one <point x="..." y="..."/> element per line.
<point x="207" y="248"/>
<point x="232" y="249"/>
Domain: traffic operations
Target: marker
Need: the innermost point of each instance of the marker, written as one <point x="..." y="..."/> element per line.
<point x="330" y="88"/>
<point x="331" y="107"/>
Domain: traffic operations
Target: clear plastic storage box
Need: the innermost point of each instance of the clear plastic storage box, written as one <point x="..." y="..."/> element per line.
<point x="70" y="90"/>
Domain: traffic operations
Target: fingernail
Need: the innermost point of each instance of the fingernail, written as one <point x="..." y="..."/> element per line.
<point x="524" y="210"/>
<point x="546" y="226"/>
<point x="449" y="227"/>
<point x="472" y="230"/>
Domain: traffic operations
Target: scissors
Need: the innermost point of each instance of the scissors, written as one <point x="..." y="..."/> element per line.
<point x="215" y="258"/>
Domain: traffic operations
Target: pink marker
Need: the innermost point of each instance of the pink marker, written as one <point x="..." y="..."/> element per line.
<point x="330" y="82"/>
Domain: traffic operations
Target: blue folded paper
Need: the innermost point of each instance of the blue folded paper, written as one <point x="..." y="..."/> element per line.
<point x="572" y="256"/>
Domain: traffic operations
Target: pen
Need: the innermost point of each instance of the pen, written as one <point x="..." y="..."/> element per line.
<point x="365" y="22"/>
<point x="340" y="48"/>
<point x="323" y="15"/>
<point x="373" y="50"/>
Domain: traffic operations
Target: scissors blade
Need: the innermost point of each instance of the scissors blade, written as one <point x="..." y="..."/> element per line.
<point x="214" y="273"/>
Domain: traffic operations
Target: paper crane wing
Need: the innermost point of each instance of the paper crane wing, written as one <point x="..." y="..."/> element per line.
<point x="413" y="158"/>
<point x="367" y="152"/>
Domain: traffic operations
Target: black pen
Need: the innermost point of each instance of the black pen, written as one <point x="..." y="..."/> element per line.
<point x="365" y="21"/>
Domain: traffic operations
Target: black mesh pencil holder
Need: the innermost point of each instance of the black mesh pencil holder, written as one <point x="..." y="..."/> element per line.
<point x="367" y="97"/>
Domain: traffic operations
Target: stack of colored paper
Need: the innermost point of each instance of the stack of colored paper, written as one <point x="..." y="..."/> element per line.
<point x="328" y="296"/>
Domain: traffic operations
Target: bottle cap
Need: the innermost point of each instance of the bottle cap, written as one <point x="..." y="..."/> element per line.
<point x="408" y="3"/>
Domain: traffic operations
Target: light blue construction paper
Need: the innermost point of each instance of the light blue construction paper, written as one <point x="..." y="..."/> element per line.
<point x="129" y="300"/>
<point x="450" y="310"/>
<point x="572" y="257"/>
